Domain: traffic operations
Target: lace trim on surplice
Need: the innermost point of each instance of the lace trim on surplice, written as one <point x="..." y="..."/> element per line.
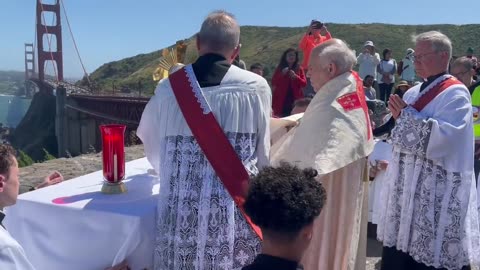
<point x="198" y="225"/>
<point x="412" y="133"/>
<point x="430" y="214"/>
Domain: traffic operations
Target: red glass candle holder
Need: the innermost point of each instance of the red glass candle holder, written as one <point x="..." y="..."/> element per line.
<point x="113" y="158"/>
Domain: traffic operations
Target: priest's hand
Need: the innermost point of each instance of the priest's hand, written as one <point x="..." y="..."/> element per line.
<point x="372" y="172"/>
<point x="289" y="127"/>
<point x="396" y="105"/>
<point x="382" y="165"/>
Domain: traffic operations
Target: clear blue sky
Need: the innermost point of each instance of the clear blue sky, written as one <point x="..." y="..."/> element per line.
<point x="107" y="30"/>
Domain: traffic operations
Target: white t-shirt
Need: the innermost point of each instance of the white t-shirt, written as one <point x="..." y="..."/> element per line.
<point x="368" y="65"/>
<point x="12" y="255"/>
<point x="389" y="66"/>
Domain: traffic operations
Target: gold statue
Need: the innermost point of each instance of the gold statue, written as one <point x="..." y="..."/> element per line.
<point x="170" y="61"/>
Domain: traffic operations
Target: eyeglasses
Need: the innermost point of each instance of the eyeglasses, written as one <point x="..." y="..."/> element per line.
<point x="419" y="57"/>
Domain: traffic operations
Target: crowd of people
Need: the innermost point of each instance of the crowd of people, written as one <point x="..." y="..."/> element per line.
<point x="232" y="198"/>
<point x="379" y="73"/>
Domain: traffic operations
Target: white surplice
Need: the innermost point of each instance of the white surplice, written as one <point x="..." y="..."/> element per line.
<point x="382" y="151"/>
<point x="335" y="142"/>
<point x="12" y="255"/>
<point x="430" y="200"/>
<point x="198" y="224"/>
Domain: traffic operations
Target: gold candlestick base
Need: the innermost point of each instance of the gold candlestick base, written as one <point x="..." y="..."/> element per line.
<point x="113" y="188"/>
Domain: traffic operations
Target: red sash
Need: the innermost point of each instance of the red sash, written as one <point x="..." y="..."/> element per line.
<point x="423" y="101"/>
<point x="211" y="139"/>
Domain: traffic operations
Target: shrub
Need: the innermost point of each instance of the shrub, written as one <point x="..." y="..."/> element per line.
<point x="48" y="156"/>
<point x="24" y="159"/>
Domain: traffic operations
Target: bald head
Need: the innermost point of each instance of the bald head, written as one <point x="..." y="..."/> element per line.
<point x="328" y="60"/>
<point x="220" y="33"/>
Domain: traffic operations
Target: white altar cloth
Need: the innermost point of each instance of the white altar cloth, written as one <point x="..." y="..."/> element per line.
<point x="74" y="226"/>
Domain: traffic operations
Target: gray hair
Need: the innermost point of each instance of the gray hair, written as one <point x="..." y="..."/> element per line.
<point x="220" y="32"/>
<point x="465" y="62"/>
<point x="439" y="41"/>
<point x="336" y="51"/>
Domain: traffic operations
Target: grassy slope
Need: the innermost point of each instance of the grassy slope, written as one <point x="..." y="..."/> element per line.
<point x="266" y="44"/>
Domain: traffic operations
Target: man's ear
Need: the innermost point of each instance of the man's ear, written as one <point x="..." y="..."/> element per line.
<point x="236" y="52"/>
<point x="332" y="70"/>
<point x="2" y="182"/>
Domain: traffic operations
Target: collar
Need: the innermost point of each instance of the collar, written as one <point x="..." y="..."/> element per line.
<point x="434" y="77"/>
<point x="210" y="69"/>
<point x="430" y="80"/>
<point x="210" y="58"/>
<point x="264" y="261"/>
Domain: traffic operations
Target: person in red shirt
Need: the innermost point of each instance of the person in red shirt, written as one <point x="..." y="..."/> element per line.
<point x="310" y="40"/>
<point x="287" y="81"/>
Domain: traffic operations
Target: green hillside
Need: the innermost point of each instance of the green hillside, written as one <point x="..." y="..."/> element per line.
<point x="266" y="44"/>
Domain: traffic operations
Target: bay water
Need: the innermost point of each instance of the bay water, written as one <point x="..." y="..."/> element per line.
<point x="12" y="109"/>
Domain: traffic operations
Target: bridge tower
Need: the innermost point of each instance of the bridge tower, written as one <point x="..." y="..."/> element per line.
<point x="29" y="61"/>
<point x="54" y="30"/>
<point x="29" y="69"/>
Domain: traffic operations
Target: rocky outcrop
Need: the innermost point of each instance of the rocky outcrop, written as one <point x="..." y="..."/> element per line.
<point x="36" y="131"/>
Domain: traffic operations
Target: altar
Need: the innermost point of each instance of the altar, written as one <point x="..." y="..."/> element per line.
<point x="74" y="226"/>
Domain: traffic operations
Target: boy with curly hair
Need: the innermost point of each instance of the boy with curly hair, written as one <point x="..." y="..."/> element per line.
<point x="284" y="202"/>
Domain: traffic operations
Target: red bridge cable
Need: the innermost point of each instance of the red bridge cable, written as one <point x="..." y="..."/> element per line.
<point x="74" y="42"/>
